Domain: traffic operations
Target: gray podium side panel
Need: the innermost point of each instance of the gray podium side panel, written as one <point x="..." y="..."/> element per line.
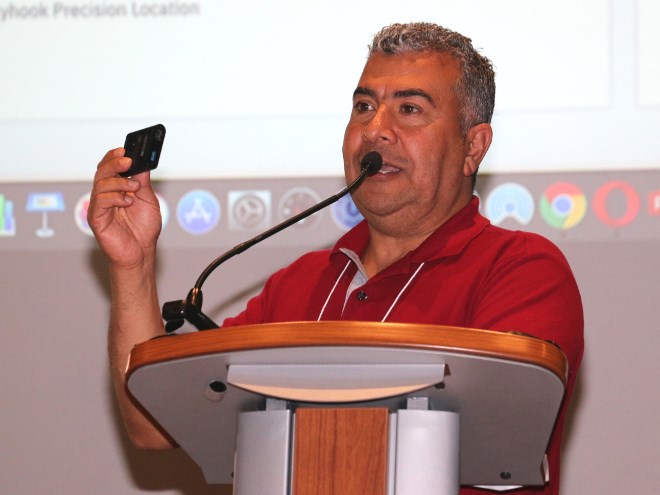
<point x="263" y="446"/>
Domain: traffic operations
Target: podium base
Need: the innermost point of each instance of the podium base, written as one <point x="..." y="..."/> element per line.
<point x="347" y="451"/>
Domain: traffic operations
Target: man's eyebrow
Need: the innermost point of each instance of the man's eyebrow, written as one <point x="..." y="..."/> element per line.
<point x="403" y="93"/>
<point x="362" y="91"/>
<point x="407" y="93"/>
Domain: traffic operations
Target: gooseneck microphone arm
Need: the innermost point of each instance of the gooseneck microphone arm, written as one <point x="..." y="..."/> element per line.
<point x="175" y="313"/>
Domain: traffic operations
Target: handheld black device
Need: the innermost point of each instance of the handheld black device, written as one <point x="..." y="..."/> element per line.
<point x="144" y="147"/>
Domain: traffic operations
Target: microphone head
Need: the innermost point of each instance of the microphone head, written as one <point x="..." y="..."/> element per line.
<point x="371" y="162"/>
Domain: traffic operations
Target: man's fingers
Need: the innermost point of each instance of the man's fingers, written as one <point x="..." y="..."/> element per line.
<point x="116" y="184"/>
<point x="111" y="155"/>
<point x="113" y="163"/>
<point x="102" y="203"/>
<point x="111" y="192"/>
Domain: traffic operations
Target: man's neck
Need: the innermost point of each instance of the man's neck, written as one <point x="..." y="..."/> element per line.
<point x="384" y="250"/>
<point x="391" y="241"/>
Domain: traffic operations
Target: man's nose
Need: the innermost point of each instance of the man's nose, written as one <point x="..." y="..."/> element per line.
<point x="381" y="127"/>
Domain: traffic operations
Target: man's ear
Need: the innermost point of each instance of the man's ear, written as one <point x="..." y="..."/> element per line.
<point x="477" y="142"/>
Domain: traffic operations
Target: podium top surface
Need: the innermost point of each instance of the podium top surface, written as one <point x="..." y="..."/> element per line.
<point x="485" y="343"/>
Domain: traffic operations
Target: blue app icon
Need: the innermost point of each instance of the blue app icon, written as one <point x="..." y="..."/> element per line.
<point x="510" y="200"/>
<point x="198" y="212"/>
<point x="44" y="203"/>
<point x="345" y="214"/>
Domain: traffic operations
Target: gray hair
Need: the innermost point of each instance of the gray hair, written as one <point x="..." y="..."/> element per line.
<point x="476" y="86"/>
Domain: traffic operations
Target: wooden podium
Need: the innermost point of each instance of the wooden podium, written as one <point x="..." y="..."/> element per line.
<point x="354" y="407"/>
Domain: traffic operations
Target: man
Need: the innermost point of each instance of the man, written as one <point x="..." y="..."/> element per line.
<point x="424" y="254"/>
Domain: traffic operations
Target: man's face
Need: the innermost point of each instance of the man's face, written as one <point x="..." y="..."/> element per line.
<point x="406" y="109"/>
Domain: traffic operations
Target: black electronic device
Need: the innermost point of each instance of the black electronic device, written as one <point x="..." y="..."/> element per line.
<point x="144" y="147"/>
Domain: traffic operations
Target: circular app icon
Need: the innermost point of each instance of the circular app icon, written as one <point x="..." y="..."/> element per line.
<point x="296" y="201"/>
<point x="80" y="214"/>
<point x="510" y="200"/>
<point x="249" y="210"/>
<point x="345" y="214"/>
<point x="563" y="205"/>
<point x="198" y="212"/>
<point x="616" y="203"/>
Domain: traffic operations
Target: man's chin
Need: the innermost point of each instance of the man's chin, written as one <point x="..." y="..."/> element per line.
<point x="378" y="209"/>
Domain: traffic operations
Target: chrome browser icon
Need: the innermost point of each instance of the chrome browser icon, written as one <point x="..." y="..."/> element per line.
<point x="563" y="205"/>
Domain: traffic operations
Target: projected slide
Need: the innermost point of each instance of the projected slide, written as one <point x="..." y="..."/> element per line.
<point x="257" y="88"/>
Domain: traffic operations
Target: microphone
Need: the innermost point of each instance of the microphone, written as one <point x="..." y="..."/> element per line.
<point x="176" y="313"/>
<point x="372" y="162"/>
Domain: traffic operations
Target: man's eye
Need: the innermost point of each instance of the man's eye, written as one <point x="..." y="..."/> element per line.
<point x="409" y="109"/>
<point x="361" y="107"/>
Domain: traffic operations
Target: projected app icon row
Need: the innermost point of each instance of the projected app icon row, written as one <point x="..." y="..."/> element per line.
<point x="563" y="205"/>
<point x="199" y="211"/>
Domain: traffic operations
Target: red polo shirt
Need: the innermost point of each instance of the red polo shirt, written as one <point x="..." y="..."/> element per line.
<point x="467" y="274"/>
